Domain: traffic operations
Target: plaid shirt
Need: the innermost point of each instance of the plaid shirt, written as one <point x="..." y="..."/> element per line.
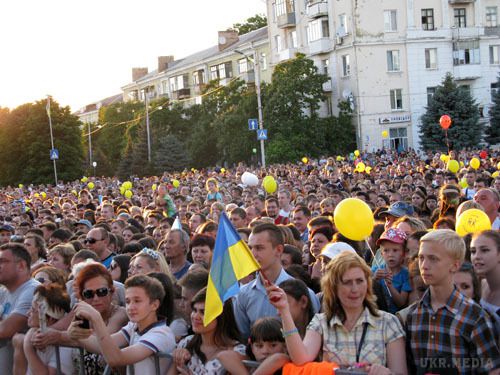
<point x="458" y="331"/>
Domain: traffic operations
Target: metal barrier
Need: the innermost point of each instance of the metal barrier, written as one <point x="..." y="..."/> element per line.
<point x="107" y="370"/>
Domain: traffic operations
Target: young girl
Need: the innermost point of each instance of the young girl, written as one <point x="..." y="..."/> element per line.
<point x="142" y="337"/>
<point x="266" y="345"/>
<point x="467" y="282"/>
<point x="213" y="190"/>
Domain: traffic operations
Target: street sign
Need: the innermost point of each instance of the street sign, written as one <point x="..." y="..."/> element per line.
<point x="54" y="154"/>
<point x="262" y="134"/>
<point x="253" y="124"/>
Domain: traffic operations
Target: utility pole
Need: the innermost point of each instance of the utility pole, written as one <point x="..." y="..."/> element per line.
<point x="147" y="124"/>
<point x="51" y="136"/>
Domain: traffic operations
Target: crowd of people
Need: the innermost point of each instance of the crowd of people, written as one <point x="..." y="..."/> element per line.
<point x="103" y="273"/>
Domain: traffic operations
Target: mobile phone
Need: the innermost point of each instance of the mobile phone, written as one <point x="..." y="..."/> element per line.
<point x="85" y="324"/>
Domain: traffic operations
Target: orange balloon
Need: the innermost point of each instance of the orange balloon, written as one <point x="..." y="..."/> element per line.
<point x="445" y="121"/>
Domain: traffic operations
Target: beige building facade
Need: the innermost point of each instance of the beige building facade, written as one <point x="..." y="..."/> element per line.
<point x="387" y="56"/>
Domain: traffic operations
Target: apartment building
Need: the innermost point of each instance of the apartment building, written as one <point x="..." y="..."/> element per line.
<point x="90" y="113"/>
<point x="387" y="56"/>
<point x="183" y="80"/>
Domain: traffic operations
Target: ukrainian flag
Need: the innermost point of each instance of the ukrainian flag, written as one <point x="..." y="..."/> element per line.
<point x="232" y="260"/>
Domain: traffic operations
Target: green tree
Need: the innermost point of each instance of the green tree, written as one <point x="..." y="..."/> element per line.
<point x="170" y="155"/>
<point x="25" y="141"/>
<point x="457" y="102"/>
<point x="493" y="131"/>
<point x="252" y="23"/>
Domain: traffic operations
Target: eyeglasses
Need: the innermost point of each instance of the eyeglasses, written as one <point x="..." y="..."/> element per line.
<point x="91" y="240"/>
<point x="89" y="293"/>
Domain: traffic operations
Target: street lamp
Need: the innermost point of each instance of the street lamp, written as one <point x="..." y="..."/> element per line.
<point x="256" y="64"/>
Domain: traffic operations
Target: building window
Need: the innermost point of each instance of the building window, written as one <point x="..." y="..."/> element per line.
<point x="491" y="16"/>
<point x="329" y="106"/>
<point x="284" y="6"/>
<point x="293" y="39"/>
<point x="263" y="61"/>
<point x="346" y="66"/>
<point x="342" y="29"/>
<point x="430" y="58"/>
<point x="494" y="55"/>
<point x="430" y="93"/>
<point x="318" y="29"/>
<point x="279" y="45"/>
<point x="399" y="139"/>
<point x="326" y="67"/>
<point x="393" y="64"/>
<point x="396" y="99"/>
<point x="198" y="77"/>
<point x="494" y="89"/>
<point x="466" y="52"/>
<point x="427" y="19"/>
<point x="390" y="23"/>
<point x="164" y="87"/>
<point x="243" y="65"/>
<point x="460" y="19"/>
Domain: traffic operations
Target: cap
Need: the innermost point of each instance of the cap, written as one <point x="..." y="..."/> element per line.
<point x="336" y="248"/>
<point x="394" y="235"/>
<point x="399" y="209"/>
<point x="85" y="222"/>
<point x="6" y="228"/>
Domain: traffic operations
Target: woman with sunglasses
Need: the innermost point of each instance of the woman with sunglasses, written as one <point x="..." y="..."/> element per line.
<point x="119" y="267"/>
<point x="146" y="334"/>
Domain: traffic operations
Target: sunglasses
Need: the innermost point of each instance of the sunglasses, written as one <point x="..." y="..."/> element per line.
<point x="90" y="240"/>
<point x="89" y="293"/>
<point x="41" y="280"/>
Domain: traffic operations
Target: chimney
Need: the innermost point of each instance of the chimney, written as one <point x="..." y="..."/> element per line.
<point x="227" y="38"/>
<point x="138" y="73"/>
<point x="163" y="62"/>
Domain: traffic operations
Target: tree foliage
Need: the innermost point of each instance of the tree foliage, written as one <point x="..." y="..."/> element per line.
<point x="252" y="23"/>
<point x="493" y="131"/>
<point x="457" y="102"/>
<point x="25" y="144"/>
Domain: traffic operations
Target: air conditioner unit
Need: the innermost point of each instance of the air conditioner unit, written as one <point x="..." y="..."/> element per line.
<point x="338" y="40"/>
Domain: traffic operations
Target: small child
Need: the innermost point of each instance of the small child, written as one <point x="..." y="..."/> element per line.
<point x="393" y="274"/>
<point x="265" y="341"/>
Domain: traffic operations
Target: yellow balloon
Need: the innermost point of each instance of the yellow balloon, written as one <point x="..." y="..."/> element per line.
<point x="153" y="187"/>
<point x="37" y="195"/>
<point x="453" y="166"/>
<point x="176" y="183"/>
<point x="21" y="186"/>
<point x="354" y="219"/>
<point x="305" y="160"/>
<point x="475" y="163"/>
<point x="127" y="185"/>
<point x="361" y="167"/>
<point x="385" y="134"/>
<point x="90" y="185"/>
<point x="462" y="164"/>
<point x="74" y="192"/>
<point x="223" y="170"/>
<point x="368" y="170"/>
<point x="84" y="179"/>
<point x="356" y="153"/>
<point x="498" y="165"/>
<point x="128" y="194"/>
<point x="463" y="183"/>
<point x="122" y="190"/>
<point x="495" y="174"/>
<point x="270" y="185"/>
<point x="43" y="194"/>
<point x="472" y="221"/>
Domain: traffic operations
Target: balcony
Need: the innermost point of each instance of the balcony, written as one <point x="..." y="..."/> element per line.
<point x="317" y="9"/>
<point x="181" y="94"/>
<point x="287" y="54"/>
<point x="459" y="33"/>
<point x="455" y="2"/>
<point x="286" y="20"/>
<point x="467" y="72"/>
<point x="492" y="31"/>
<point x="321" y="45"/>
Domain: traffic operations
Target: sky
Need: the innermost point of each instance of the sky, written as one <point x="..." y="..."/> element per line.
<point x="82" y="51"/>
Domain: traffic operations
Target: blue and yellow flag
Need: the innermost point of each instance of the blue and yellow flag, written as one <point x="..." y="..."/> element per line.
<point x="232" y="260"/>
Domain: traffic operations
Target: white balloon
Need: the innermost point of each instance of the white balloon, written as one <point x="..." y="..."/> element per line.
<point x="249" y="179"/>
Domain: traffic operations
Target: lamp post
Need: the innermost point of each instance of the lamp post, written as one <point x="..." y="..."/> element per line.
<point x="147" y="124"/>
<point x="256" y="64"/>
<point x="90" y="144"/>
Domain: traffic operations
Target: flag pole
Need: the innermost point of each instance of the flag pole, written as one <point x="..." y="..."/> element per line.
<point x="51" y="136"/>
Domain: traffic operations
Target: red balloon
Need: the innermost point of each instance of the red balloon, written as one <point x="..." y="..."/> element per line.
<point x="445" y="121"/>
<point x="483" y="154"/>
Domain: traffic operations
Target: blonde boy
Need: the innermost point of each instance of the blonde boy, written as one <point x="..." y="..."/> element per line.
<point x="445" y="330"/>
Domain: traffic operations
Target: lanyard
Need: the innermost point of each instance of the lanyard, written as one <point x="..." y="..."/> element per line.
<point x="360" y="345"/>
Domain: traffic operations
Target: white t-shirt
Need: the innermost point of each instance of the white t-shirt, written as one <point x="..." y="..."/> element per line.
<point x="158" y="337"/>
<point x="48" y="356"/>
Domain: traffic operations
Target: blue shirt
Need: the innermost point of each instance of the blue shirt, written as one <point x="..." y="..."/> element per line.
<point x="400" y="282"/>
<point x="182" y="271"/>
<point x="251" y="303"/>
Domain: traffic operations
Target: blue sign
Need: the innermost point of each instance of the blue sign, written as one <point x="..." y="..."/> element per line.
<point x="54" y="154"/>
<point x="262" y="134"/>
<point x="253" y="124"/>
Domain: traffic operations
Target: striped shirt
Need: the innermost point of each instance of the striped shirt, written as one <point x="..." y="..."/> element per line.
<point x="458" y="331"/>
